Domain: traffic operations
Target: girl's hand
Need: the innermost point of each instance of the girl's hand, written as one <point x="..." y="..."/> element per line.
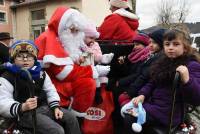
<point x="80" y="60"/>
<point x="121" y="59"/>
<point x="58" y="113"/>
<point x="138" y="99"/>
<point x="31" y="103"/>
<point x="183" y="70"/>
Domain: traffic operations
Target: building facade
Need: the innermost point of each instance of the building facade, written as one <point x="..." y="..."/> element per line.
<point x="5" y="16"/>
<point x="31" y="16"/>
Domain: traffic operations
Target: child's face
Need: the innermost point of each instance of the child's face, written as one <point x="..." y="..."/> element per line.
<point x="154" y="47"/>
<point x="24" y="60"/>
<point x="89" y="40"/>
<point x="174" y="48"/>
<point x="138" y="45"/>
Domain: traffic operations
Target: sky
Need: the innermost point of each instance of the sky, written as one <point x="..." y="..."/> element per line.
<point x="147" y="10"/>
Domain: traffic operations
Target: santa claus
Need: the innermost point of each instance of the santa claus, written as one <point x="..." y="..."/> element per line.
<point x="59" y="52"/>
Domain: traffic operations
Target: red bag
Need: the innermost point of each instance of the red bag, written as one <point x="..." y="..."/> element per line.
<point x="99" y="117"/>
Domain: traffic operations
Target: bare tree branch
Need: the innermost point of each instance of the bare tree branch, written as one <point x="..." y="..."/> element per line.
<point x="171" y="11"/>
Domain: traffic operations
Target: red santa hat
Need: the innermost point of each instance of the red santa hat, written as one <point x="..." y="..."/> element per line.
<point x="49" y="44"/>
<point x="119" y="3"/>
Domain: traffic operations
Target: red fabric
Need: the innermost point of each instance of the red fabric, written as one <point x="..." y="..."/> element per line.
<point x="144" y="39"/>
<point x="48" y="42"/>
<point x="139" y="54"/>
<point x="79" y="83"/>
<point x="103" y="125"/>
<point x="116" y="27"/>
<point x="82" y="91"/>
<point x="123" y="99"/>
<point x="55" y="19"/>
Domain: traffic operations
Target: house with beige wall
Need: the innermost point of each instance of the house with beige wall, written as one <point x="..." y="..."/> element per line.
<point x="31" y="16"/>
<point x="5" y="16"/>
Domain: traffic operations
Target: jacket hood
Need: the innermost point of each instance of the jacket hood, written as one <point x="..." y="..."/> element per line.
<point x="130" y="18"/>
<point x="127" y="14"/>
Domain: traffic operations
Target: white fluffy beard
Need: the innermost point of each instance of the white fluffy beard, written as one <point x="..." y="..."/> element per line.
<point x="72" y="43"/>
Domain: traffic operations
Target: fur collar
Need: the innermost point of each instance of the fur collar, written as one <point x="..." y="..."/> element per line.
<point x="125" y="13"/>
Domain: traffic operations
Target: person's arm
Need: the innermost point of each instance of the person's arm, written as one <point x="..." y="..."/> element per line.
<point x="147" y="89"/>
<point x="8" y="106"/>
<point x="135" y="72"/>
<point x="52" y="95"/>
<point x="139" y="82"/>
<point x="190" y="77"/>
<point x="126" y="81"/>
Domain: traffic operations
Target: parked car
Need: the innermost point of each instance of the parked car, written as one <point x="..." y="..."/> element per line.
<point x="196" y="40"/>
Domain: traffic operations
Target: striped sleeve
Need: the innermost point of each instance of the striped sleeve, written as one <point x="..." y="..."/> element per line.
<point x="8" y="106"/>
<point x="54" y="104"/>
<point x="15" y="109"/>
<point x="52" y="95"/>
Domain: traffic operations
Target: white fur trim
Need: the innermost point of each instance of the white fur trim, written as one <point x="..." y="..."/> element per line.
<point x="94" y="72"/>
<point x="125" y="13"/>
<point x="119" y="3"/>
<point x="98" y="84"/>
<point x="103" y="79"/>
<point x="78" y="114"/>
<point x="65" y="72"/>
<point x="57" y="61"/>
<point x="69" y="18"/>
<point x="136" y="127"/>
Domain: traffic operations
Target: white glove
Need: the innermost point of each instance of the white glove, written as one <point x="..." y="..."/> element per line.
<point x="102" y="70"/>
<point x="107" y="58"/>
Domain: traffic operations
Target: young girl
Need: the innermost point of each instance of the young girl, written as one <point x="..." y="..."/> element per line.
<point x="93" y="55"/>
<point x="157" y="95"/>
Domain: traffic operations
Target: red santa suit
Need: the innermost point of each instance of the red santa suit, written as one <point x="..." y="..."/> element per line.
<point x="68" y="78"/>
<point x="120" y="25"/>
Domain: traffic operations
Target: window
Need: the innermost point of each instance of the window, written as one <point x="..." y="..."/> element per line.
<point x="38" y="14"/>
<point x="37" y="30"/>
<point x="38" y="22"/>
<point x="1" y="2"/>
<point x="2" y="17"/>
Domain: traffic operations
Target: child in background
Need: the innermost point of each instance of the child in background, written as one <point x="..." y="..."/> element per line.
<point x="93" y="55"/>
<point x="140" y="76"/>
<point x="156" y="95"/>
<point x="15" y="99"/>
